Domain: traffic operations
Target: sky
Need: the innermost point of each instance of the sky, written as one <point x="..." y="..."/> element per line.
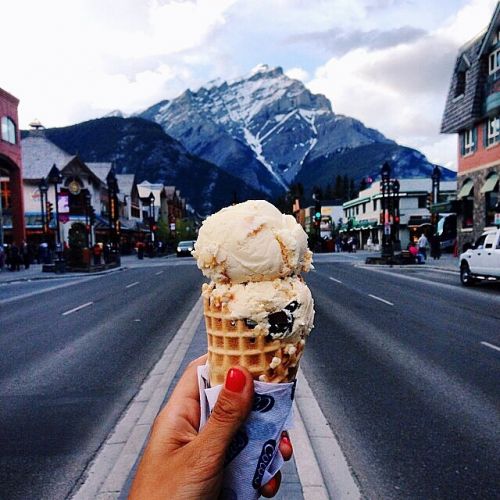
<point x="387" y="63"/>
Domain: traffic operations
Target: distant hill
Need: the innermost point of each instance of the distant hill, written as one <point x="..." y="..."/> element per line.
<point x="141" y="147"/>
<point x="366" y="161"/>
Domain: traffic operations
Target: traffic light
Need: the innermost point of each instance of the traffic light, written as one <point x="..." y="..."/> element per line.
<point x="317" y="211"/>
<point x="49" y="209"/>
<point x="428" y="201"/>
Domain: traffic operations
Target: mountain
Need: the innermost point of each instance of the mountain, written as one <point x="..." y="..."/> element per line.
<point x="269" y="129"/>
<point x="140" y="147"/>
<point x="365" y="161"/>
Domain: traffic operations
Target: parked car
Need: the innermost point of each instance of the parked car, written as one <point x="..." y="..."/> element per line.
<point x="184" y="248"/>
<point x="482" y="261"/>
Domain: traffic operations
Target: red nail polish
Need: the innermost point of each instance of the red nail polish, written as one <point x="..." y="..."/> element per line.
<point x="235" y="380"/>
<point x="286" y="440"/>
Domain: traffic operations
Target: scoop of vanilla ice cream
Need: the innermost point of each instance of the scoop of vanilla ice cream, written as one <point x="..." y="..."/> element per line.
<point x="281" y="308"/>
<point x="251" y="241"/>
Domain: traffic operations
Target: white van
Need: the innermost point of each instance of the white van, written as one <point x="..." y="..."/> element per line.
<point x="482" y="261"/>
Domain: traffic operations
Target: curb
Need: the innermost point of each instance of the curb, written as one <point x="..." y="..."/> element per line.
<point x="322" y="467"/>
<point x="107" y="474"/>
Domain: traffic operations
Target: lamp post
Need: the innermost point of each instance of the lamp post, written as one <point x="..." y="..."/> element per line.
<point x="152" y="215"/>
<point x="43" y="187"/>
<point x="88" y="229"/>
<point x="395" y="212"/>
<point x="385" y="174"/>
<point x="55" y="177"/>
<point x="436" y="180"/>
<point x="112" y="202"/>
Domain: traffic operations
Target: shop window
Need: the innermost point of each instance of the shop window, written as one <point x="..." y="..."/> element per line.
<point x="8" y="130"/>
<point x="5" y="193"/>
<point x="491" y="199"/>
<point x="422" y="201"/>
<point x="468" y="211"/>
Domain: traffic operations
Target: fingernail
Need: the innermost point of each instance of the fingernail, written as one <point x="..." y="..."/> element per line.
<point x="235" y="380"/>
<point x="286" y="441"/>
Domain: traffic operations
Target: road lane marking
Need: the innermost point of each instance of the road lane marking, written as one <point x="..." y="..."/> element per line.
<point x="132" y="284"/>
<point x="381" y="300"/>
<point x="158" y="273"/>
<point x="487" y="344"/>
<point x="336" y="280"/>
<point x="77" y="308"/>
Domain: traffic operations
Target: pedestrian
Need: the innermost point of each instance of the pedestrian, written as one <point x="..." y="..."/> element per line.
<point x="176" y="448"/>
<point x="96" y="252"/>
<point x="140" y="250"/>
<point x="422" y="245"/>
<point x="435" y="247"/>
<point x="26" y="255"/>
<point x="15" y="258"/>
<point x="2" y="258"/>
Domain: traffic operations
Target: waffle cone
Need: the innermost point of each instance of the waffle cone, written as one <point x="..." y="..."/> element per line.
<point x="232" y="342"/>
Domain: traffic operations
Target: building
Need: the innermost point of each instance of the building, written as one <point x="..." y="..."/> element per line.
<point x="79" y="180"/>
<point x="472" y="111"/>
<point x="362" y="215"/>
<point x="12" y="226"/>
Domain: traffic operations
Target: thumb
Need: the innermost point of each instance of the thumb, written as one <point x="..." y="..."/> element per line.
<point x="231" y="410"/>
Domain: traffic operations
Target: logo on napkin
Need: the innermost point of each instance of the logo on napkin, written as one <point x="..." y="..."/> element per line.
<point x="262" y="403"/>
<point x="264" y="460"/>
<point x="238" y="443"/>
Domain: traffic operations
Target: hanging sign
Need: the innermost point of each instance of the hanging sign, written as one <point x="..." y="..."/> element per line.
<point x="63" y="203"/>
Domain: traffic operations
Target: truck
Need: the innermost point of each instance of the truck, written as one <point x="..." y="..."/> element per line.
<point x="481" y="262"/>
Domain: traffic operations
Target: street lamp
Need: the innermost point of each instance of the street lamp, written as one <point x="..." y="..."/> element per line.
<point x="88" y="198"/>
<point x="385" y="174"/>
<point x="112" y="191"/>
<point x="55" y="177"/>
<point x="436" y="180"/>
<point x="43" y="187"/>
<point x="151" y="214"/>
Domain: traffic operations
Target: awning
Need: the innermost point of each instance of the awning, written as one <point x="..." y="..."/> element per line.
<point x="490" y="184"/>
<point x="466" y="189"/>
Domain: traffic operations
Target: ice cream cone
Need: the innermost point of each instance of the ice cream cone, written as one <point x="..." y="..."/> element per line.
<point x="234" y="342"/>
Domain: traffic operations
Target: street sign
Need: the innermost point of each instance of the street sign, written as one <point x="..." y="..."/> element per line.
<point x="172" y="226"/>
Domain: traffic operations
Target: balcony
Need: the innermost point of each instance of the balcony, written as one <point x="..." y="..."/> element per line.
<point x="492" y="93"/>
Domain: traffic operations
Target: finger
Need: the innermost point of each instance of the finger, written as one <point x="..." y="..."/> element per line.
<point x="183" y="405"/>
<point x="231" y="410"/>
<point x="270" y="489"/>
<point x="285" y="446"/>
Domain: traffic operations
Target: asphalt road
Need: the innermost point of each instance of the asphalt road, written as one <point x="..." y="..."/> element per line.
<point x="404" y="366"/>
<point x="72" y="358"/>
<point x="402" y="361"/>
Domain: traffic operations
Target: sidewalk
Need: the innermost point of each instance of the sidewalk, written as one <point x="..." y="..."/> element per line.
<point x="317" y="470"/>
<point x="35" y="270"/>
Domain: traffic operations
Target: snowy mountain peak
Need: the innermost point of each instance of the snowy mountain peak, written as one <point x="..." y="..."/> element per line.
<point x="266" y="116"/>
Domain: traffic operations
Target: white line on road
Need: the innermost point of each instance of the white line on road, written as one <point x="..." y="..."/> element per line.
<point x="336" y="280"/>
<point x="487" y="344"/>
<point x="158" y="273"/>
<point x="132" y="284"/>
<point x="381" y="300"/>
<point x="77" y="308"/>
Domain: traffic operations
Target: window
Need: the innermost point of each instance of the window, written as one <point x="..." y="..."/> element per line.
<point x="5" y="193"/>
<point x="460" y="85"/>
<point x="422" y="201"/>
<point x="479" y="244"/>
<point x="8" y="130"/>
<point x="468" y="141"/>
<point x="494" y="64"/>
<point x="491" y="199"/>
<point x="468" y="210"/>
<point x="364" y="208"/>
<point x="374" y="205"/>
<point x="493" y="130"/>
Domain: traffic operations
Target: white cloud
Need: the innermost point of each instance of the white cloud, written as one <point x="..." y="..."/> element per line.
<point x="297" y="74"/>
<point x="401" y="90"/>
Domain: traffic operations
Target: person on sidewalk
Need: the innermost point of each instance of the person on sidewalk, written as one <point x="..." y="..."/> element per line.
<point x="97" y="251"/>
<point x="179" y="461"/>
<point x="435" y="247"/>
<point x="422" y="244"/>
